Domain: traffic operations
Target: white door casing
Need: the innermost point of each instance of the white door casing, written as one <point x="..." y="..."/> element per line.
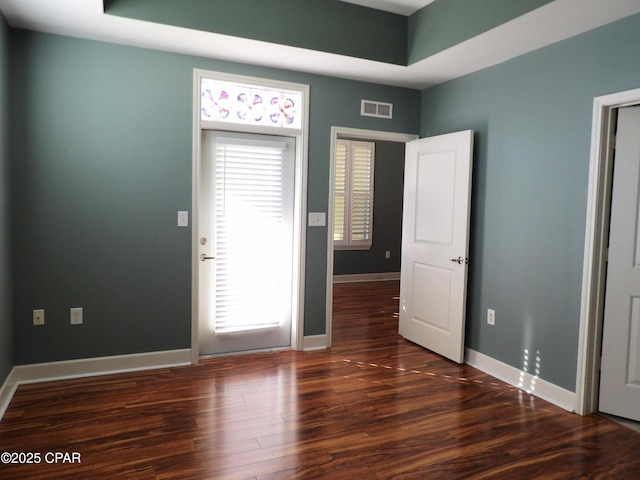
<point x="301" y="136"/>
<point x="620" y="364"/>
<point x="596" y="237"/>
<point x="435" y="242"/>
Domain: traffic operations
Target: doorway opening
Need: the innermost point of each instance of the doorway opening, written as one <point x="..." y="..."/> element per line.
<point x="336" y="134"/>
<point x="271" y="118"/>
<point x="605" y="111"/>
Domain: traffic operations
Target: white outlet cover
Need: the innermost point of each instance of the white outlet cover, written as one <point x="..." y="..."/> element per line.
<point x="76" y="316"/>
<point x="38" y="317"/>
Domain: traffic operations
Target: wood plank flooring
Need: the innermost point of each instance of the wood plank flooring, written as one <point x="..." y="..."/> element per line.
<point x="372" y="407"/>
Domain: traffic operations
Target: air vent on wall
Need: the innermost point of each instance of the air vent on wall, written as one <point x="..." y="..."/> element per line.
<point x="369" y="108"/>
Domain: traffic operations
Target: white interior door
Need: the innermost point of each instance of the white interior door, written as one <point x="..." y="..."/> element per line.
<point x="435" y="240"/>
<point x="246" y="245"/>
<point x="620" y="368"/>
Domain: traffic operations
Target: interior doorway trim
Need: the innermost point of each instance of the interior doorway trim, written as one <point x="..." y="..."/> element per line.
<point x="596" y="233"/>
<point x="352" y="133"/>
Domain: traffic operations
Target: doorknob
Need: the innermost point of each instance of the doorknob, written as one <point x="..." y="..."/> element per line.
<point x="459" y="260"/>
<point x="204" y="257"/>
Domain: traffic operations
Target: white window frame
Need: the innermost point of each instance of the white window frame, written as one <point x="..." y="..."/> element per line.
<point x="350" y="196"/>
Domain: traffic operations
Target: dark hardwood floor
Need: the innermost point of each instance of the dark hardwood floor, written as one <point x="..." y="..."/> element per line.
<point x="374" y="406"/>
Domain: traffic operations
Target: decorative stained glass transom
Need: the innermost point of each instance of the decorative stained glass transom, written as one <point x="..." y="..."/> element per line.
<point x="240" y="103"/>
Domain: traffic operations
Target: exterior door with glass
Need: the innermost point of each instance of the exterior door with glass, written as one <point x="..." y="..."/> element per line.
<point x="246" y="245"/>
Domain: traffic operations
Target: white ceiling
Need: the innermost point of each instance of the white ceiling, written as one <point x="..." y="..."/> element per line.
<point x="403" y="7"/>
<point x="555" y="21"/>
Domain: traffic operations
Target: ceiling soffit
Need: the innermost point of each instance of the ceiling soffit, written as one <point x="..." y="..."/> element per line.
<point x="329" y="26"/>
<point x="334" y="26"/>
<point x="553" y="22"/>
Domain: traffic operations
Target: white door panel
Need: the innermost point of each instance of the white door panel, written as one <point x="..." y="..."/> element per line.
<point x="436" y="174"/>
<point x="620" y="369"/>
<point x="435" y="238"/>
<point x="431" y="292"/>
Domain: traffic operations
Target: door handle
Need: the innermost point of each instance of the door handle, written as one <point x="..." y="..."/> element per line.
<point x="204" y="257"/>
<point x="460" y="260"/>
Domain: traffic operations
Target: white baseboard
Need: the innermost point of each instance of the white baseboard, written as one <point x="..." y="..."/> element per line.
<point x="315" y="342"/>
<point x="366" y="277"/>
<point x="88" y="367"/>
<point x="523" y="380"/>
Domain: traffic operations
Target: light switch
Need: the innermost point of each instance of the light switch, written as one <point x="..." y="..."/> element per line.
<point x="183" y="219"/>
<point x="317" y="219"/>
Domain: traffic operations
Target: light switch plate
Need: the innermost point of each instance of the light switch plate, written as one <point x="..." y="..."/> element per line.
<point x="317" y="219"/>
<point x="491" y="316"/>
<point x="183" y="218"/>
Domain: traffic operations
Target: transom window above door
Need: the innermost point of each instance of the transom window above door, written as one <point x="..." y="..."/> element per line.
<point x="246" y="104"/>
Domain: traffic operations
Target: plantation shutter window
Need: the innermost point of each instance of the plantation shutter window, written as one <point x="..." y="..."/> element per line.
<point x="353" y="195"/>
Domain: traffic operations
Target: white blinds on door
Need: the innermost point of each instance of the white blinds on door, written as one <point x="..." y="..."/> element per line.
<point x="252" y="249"/>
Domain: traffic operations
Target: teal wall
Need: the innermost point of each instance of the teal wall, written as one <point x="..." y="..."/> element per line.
<point x="327" y="25"/>
<point x="387" y="217"/>
<point x="332" y="25"/>
<point x="6" y="349"/>
<point x="102" y="164"/>
<point x="532" y="117"/>
<point x="100" y="149"/>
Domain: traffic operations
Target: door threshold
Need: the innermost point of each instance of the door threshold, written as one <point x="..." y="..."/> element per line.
<point x="245" y="352"/>
<point x="632" y="424"/>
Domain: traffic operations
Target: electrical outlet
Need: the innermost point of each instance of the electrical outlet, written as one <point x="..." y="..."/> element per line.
<point x="76" y="316"/>
<point x="491" y="317"/>
<point x="38" y="317"/>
